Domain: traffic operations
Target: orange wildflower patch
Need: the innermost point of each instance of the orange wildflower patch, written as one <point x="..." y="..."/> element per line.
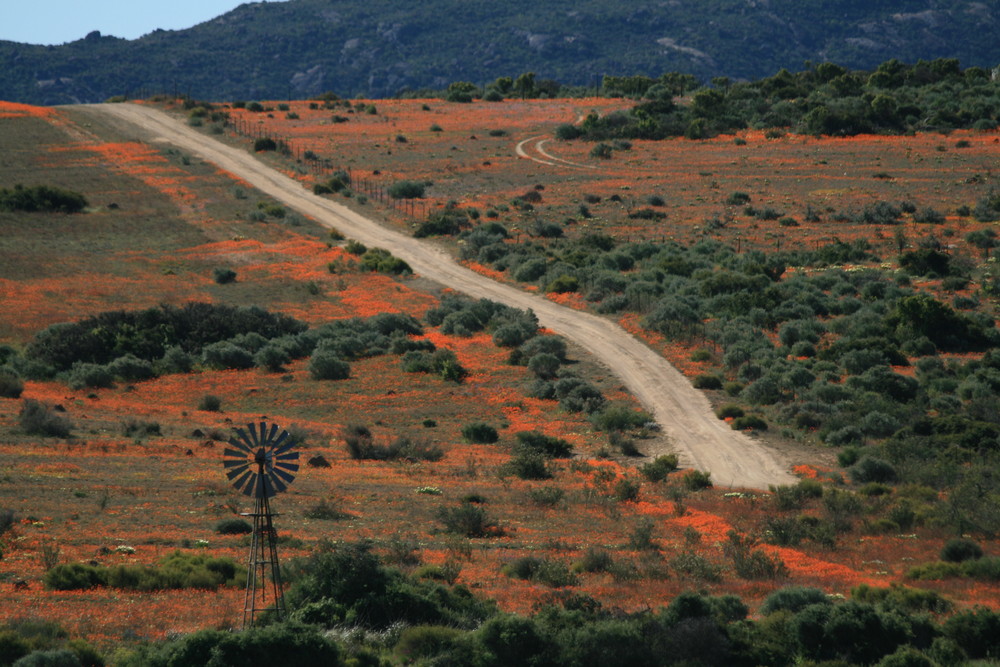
<point x="15" y="110"/>
<point x="712" y="527"/>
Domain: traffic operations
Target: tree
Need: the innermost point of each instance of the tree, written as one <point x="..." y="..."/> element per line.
<point x="984" y="239"/>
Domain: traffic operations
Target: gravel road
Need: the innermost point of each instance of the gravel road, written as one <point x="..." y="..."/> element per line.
<point x="700" y="439"/>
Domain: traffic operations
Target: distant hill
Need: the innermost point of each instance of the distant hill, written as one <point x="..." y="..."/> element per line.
<point x="379" y="48"/>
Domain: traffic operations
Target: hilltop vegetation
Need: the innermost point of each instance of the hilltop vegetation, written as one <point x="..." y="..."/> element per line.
<point x="302" y="48"/>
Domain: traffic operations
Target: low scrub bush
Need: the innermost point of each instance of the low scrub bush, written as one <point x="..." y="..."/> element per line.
<point x="41" y="199"/>
<point x="546" y="445"/>
<point x="11" y="385"/>
<point x="233" y="527"/>
<point x="469" y="520"/>
<point x="658" y="469"/>
<point x="406" y="190"/>
<point x="37" y="418"/>
<point x="210" y="403"/>
<point x="480" y="433"/>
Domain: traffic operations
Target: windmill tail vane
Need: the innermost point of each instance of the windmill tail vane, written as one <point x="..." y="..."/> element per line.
<point x="260" y="462"/>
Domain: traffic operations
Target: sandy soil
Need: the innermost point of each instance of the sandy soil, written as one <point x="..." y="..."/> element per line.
<point x="700" y="439"/>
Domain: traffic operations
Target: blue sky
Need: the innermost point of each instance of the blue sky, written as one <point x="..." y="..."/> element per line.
<point x="60" y="21"/>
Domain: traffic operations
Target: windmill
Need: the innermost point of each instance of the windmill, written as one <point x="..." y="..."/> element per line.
<point x="260" y="463"/>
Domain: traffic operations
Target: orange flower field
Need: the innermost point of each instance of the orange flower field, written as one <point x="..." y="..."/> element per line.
<point x="159" y="222"/>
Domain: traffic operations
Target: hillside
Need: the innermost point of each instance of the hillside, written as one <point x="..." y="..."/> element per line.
<point x="301" y="48"/>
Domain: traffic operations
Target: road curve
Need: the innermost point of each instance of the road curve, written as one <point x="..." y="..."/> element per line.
<point x="700" y="439"/>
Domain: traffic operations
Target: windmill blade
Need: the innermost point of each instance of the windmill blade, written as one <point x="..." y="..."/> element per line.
<point x="276" y="483"/>
<point x="270" y="435"/>
<point x="233" y="474"/>
<point x="234" y="455"/>
<point x="242" y="481"/>
<point x="244" y="440"/>
<point x="287" y="467"/>
<point x="283" y="442"/>
<point x="286" y="456"/>
<point x="279" y="451"/>
<point x="252" y="430"/>
<point x="281" y="474"/>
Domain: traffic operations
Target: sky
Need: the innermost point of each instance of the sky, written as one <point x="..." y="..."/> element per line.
<point x="61" y="21"/>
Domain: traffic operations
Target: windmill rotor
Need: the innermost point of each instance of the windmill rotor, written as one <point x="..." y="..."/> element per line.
<point x="260" y="461"/>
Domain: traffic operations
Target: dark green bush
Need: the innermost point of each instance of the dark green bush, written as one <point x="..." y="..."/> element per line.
<point x="223" y="275"/>
<point x="226" y="355"/>
<point x="264" y="144"/>
<point x="469" y="520"/>
<point x="37" y="418"/>
<point x="406" y="190"/>
<point x="749" y="423"/>
<point x="75" y="576"/>
<point x="210" y="403"/>
<point x="233" y="527"/>
<point x="658" y="469"/>
<point x="528" y="464"/>
<point x="41" y="198"/>
<point x="960" y="549"/>
<point x="707" y="381"/>
<point x="11" y="385"/>
<point x="93" y="376"/>
<point x="547" y="445"/>
<point x="480" y="432"/>
<point x="326" y="365"/>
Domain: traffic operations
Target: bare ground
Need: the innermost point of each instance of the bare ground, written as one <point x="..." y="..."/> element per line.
<point x="700" y="439"/>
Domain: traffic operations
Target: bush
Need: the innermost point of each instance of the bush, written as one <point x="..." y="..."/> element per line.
<point x="226" y="355"/>
<point x="548" y="446"/>
<point x="233" y="527"/>
<point x="469" y="520"/>
<point x="959" y="550"/>
<point x="37" y="418"/>
<point x="793" y="599"/>
<point x="406" y="190"/>
<point x="11" y="386"/>
<point x="729" y="410"/>
<point x="547" y="496"/>
<point x="480" y="433"/>
<point x="658" y="469"/>
<point x="87" y="375"/>
<point x="697" y="480"/>
<point x="210" y="403"/>
<point x="872" y="470"/>
<point x="265" y="144"/>
<point x="41" y="198"/>
<point x="749" y="423"/>
<point x="326" y="365"/>
<point x="223" y="275"/>
<point x="75" y="576"/>
<point x="527" y="464"/>
<point x="707" y="381"/>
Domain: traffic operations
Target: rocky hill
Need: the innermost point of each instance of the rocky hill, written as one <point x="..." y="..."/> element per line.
<point x="382" y="47"/>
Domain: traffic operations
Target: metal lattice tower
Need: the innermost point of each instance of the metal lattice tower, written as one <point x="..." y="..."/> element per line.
<point x="260" y="463"/>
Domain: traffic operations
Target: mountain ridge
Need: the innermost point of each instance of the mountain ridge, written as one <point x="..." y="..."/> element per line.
<point x="380" y="48"/>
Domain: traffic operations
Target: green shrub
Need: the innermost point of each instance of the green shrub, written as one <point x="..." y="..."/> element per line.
<point x="469" y="520"/>
<point x="85" y="375"/>
<point x="265" y="144"/>
<point x="326" y="365"/>
<point x="233" y="527"/>
<point x="707" y="381"/>
<point x="528" y="464"/>
<point x="210" y="403"/>
<point x="658" y="469"/>
<point x="698" y="479"/>
<point x="74" y="576"/>
<point x="41" y="198"/>
<point x="11" y="385"/>
<point x="480" y="432"/>
<point x="381" y="260"/>
<point x="960" y="549"/>
<point x="729" y="410"/>
<point x="541" y="570"/>
<point x="406" y="190"/>
<point x="37" y="418"/>
<point x="226" y="355"/>
<point x="547" y="445"/>
<point x="547" y="496"/>
<point x="749" y="423"/>
<point x="793" y="599"/>
<point x="223" y="275"/>
<point x="424" y="642"/>
<point x="619" y="417"/>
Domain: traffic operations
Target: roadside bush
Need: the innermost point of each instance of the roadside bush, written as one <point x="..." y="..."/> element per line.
<point x="265" y="144"/>
<point x="658" y="469"/>
<point x="729" y="410"/>
<point x="749" y="423"/>
<point x="619" y="417"/>
<point x="707" y="381"/>
<point x="480" y="433"/>
<point x="696" y="480"/>
<point x="380" y="260"/>
<point x="406" y="190"/>
<point x="37" y="418"/>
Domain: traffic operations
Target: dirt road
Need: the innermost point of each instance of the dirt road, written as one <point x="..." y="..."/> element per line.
<point x="700" y="439"/>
